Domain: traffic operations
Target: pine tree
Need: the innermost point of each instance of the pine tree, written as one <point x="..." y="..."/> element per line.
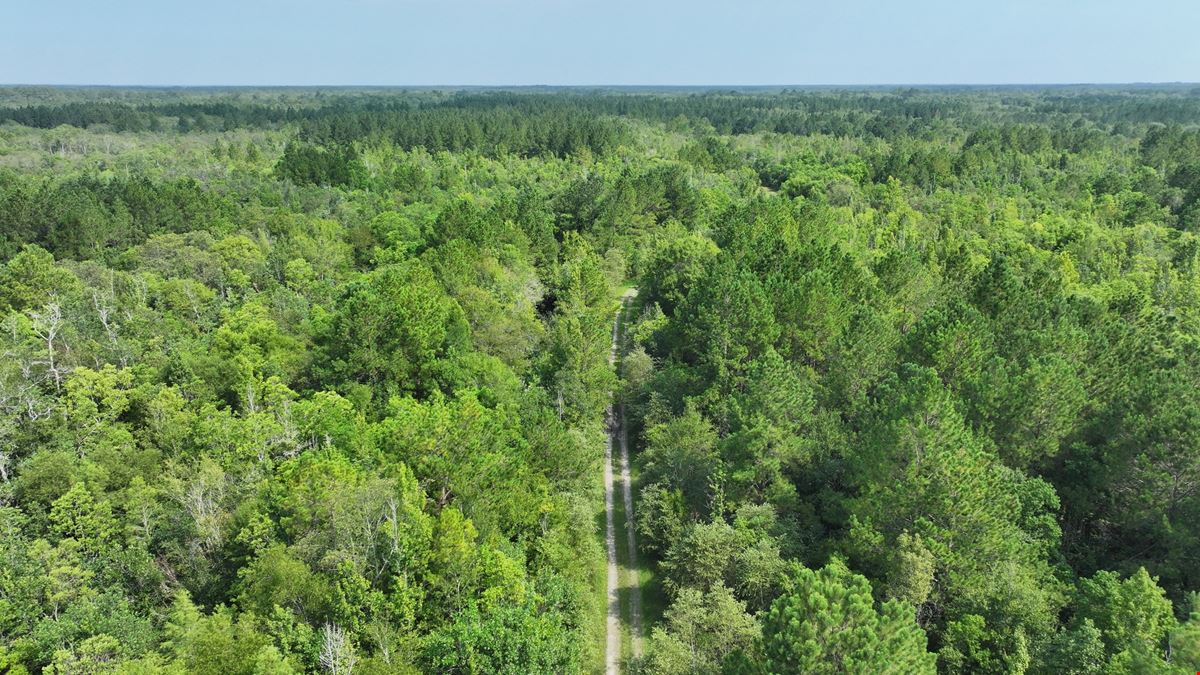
<point x="829" y="623"/>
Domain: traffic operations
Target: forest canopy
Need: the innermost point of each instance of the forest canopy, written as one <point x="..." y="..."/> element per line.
<point x="301" y="380"/>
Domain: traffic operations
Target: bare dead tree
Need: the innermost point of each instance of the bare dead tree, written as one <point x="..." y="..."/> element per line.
<point x="105" y="313"/>
<point x="47" y="326"/>
<point x="337" y="652"/>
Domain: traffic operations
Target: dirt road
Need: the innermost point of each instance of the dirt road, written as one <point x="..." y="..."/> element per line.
<point x="618" y="436"/>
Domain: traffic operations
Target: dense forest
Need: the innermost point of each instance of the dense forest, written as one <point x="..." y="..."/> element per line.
<point x="301" y="380"/>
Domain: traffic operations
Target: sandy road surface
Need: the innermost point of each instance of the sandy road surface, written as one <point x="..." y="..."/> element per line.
<point x="617" y="435"/>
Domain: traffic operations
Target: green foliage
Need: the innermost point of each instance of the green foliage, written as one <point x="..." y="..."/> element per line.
<point x="1133" y="616"/>
<point x="395" y="330"/>
<point x="304" y="163"/>
<point x="30" y="280"/>
<point x="507" y="639"/>
<point x="299" y="381"/>
<point x="217" y="642"/>
<point x="829" y="623"/>
<point x="701" y="631"/>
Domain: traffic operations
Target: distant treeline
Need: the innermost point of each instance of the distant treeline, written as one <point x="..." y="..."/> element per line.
<point x="560" y="130"/>
<point x="188" y="116"/>
<point x="844" y="113"/>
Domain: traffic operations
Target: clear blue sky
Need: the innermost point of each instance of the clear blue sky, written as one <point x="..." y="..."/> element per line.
<point x="497" y="42"/>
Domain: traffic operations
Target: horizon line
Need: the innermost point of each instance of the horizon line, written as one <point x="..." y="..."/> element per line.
<point x="1136" y="83"/>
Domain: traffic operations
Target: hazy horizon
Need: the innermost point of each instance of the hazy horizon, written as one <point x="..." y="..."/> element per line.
<point x="616" y="86"/>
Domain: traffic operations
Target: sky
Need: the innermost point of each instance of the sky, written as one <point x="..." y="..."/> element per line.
<point x="597" y="42"/>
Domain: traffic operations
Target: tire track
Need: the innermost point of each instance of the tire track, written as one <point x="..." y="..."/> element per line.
<point x="618" y="435"/>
